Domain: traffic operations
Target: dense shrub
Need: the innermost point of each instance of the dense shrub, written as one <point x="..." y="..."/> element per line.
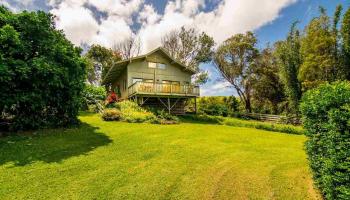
<point x="111" y="114"/>
<point x="131" y="112"/>
<point x="93" y="98"/>
<point x="163" y="117"/>
<point x="217" y="106"/>
<point x="326" y="118"/>
<point x="41" y="73"/>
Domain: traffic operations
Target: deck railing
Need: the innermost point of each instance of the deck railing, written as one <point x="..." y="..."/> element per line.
<point x="163" y="89"/>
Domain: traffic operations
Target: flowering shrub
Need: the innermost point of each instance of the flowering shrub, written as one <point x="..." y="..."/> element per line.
<point x="133" y="113"/>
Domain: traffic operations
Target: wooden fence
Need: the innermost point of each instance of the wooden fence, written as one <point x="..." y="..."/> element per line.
<point x="271" y="118"/>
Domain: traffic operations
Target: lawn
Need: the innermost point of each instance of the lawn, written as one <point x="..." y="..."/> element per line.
<point x="116" y="160"/>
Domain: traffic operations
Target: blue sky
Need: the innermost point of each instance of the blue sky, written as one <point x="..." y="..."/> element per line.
<point x="108" y="22"/>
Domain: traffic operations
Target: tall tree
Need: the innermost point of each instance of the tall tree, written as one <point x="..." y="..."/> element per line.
<point x="289" y="60"/>
<point x="190" y="48"/>
<point x="103" y="59"/>
<point x="41" y="72"/>
<point x="130" y="47"/>
<point x="318" y="50"/>
<point x="235" y="59"/>
<point x="345" y="35"/>
<point x="267" y="85"/>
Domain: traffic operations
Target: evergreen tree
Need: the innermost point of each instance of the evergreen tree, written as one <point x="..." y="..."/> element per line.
<point x="289" y="60"/>
<point x="345" y="35"/>
<point x="318" y="47"/>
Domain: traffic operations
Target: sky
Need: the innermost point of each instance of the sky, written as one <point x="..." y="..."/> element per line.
<point x="108" y="22"/>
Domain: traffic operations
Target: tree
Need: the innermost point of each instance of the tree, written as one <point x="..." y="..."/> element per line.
<point x="190" y="48"/>
<point x="318" y="48"/>
<point x="103" y="59"/>
<point x="235" y="59"/>
<point x="345" y="35"/>
<point x="130" y="47"/>
<point x="289" y="60"/>
<point x="41" y="73"/>
<point x="335" y="32"/>
<point x="267" y="85"/>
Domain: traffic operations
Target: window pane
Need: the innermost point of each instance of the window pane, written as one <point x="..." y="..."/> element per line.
<point x="152" y="65"/>
<point x="161" y="65"/>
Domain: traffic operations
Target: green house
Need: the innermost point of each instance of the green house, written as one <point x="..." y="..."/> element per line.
<point x="155" y="79"/>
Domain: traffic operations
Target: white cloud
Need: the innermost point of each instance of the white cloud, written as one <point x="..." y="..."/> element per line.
<point x="80" y="26"/>
<point x="112" y="31"/>
<point x="228" y="18"/>
<point x="121" y="8"/>
<point x="77" y="21"/>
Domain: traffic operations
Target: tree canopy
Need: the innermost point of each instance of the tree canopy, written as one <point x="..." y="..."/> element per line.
<point x="41" y="73"/>
<point x="190" y="48"/>
<point x="101" y="60"/>
<point x="235" y="59"/>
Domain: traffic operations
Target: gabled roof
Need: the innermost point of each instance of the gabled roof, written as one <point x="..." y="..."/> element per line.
<point x="118" y="67"/>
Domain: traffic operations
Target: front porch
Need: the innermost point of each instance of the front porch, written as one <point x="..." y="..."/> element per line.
<point x="163" y="89"/>
<point x="164" y="96"/>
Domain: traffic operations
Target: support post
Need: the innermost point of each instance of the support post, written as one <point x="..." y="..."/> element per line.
<point x="169" y="106"/>
<point x="195" y="105"/>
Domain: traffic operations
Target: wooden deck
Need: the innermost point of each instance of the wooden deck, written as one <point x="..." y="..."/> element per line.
<point x="163" y="89"/>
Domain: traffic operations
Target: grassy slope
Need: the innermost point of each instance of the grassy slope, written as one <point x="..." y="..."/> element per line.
<point x="113" y="160"/>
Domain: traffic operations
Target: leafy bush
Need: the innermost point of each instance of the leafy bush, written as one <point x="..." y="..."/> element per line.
<point x="229" y="121"/>
<point x="41" y="75"/>
<point x="111" y="114"/>
<point x="326" y="117"/>
<point x="218" y="106"/>
<point x="163" y="117"/>
<point x="93" y="98"/>
<point x="132" y="112"/>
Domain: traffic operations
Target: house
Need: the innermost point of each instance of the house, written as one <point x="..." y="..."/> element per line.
<point x="155" y="80"/>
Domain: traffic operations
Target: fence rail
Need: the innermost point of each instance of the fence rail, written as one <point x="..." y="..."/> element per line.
<point x="265" y="117"/>
<point x="163" y="88"/>
<point x="272" y="118"/>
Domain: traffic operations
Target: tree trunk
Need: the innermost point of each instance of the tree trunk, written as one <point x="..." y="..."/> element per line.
<point x="248" y="105"/>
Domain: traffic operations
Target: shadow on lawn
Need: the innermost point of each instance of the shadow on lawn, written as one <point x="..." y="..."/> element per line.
<point x="51" y="145"/>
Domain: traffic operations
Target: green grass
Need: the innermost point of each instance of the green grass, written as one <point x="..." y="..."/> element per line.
<point x="117" y="160"/>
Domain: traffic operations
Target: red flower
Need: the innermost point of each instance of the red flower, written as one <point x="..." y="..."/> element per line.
<point x="112" y="97"/>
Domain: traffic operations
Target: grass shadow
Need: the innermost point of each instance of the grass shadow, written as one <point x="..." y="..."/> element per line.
<point x="51" y="145"/>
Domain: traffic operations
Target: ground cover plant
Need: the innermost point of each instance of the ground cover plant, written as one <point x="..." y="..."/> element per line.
<point x="118" y="160"/>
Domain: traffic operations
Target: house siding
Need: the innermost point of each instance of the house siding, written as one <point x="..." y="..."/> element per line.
<point x="172" y="72"/>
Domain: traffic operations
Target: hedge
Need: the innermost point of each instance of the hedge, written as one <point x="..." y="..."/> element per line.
<point x="326" y="117"/>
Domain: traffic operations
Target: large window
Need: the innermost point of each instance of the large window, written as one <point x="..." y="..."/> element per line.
<point x="156" y="65"/>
